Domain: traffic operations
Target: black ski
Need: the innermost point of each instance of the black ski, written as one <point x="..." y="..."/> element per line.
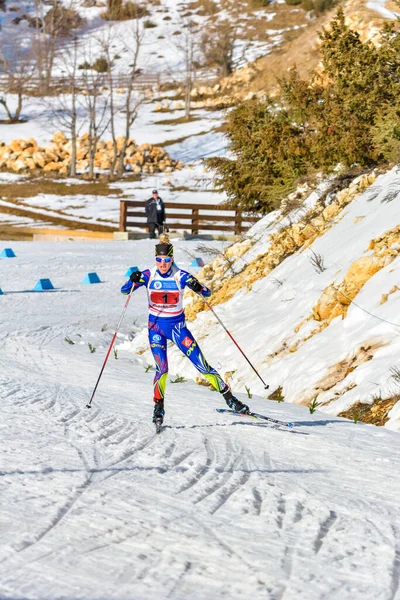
<point x="256" y="416"/>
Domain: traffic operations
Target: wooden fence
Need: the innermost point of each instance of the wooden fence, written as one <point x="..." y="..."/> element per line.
<point x="189" y="217"/>
<point x="121" y="80"/>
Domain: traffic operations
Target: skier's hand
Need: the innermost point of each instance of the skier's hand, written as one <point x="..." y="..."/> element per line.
<point x="194" y="285"/>
<point x="135" y="276"/>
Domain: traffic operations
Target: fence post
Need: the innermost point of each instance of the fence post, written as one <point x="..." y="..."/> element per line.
<point x="238" y="222"/>
<point x="122" y="215"/>
<point x="195" y="221"/>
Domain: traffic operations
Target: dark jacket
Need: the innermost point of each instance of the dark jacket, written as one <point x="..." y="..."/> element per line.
<point x="154" y="215"/>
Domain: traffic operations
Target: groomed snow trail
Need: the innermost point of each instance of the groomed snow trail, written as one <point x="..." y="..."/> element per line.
<point x="95" y="506"/>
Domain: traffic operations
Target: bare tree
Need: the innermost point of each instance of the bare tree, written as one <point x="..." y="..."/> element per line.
<point x="51" y="25"/>
<point x="96" y="100"/>
<point x="18" y="69"/>
<point x="188" y="46"/>
<point x="218" y="46"/>
<point x="132" y="99"/>
<point x="66" y="111"/>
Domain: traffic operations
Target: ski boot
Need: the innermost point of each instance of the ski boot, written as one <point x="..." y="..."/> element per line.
<point x="234" y="403"/>
<point x="158" y="414"/>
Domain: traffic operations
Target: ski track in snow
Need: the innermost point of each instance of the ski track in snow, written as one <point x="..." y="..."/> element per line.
<point x="95" y="505"/>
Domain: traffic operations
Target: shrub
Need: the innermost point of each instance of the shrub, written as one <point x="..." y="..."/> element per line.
<point x="293" y="2"/>
<point x="148" y="24"/>
<point x="135" y="11"/>
<point x="101" y="65"/>
<point x="118" y="12"/>
<point x="317" y="6"/>
<point x="62" y="20"/>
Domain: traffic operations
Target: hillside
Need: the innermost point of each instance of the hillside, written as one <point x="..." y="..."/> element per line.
<point x="276" y="36"/>
<point x="312" y="296"/>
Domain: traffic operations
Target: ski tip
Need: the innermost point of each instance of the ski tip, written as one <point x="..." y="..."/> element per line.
<point x="290" y="424"/>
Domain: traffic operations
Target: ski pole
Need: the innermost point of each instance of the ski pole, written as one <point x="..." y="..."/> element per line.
<point x="235" y="342"/>
<point x="88" y="405"/>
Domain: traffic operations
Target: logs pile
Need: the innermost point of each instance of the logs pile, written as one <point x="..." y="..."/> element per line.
<point x="26" y="155"/>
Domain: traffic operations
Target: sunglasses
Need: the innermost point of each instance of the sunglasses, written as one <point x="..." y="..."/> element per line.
<point x="166" y="260"/>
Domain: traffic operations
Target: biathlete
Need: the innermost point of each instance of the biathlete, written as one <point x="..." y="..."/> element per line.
<point x="165" y="284"/>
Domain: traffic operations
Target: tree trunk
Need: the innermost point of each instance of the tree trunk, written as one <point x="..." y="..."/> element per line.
<point x="188" y="89"/>
<point x="4" y="103"/>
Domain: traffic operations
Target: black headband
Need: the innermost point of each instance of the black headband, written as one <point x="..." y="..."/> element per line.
<point x="164" y="250"/>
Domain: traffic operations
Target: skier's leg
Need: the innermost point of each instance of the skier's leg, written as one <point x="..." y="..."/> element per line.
<point x="186" y="343"/>
<point x="158" y="346"/>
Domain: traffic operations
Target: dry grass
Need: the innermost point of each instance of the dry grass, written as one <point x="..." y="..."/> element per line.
<point x="33" y="187"/>
<point x="15" y="193"/>
<point x="373" y="414"/>
<point x="178" y="121"/>
<point x="56" y="221"/>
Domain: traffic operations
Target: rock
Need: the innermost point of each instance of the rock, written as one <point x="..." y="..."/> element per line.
<point x="52" y="156"/>
<point x="325" y="305"/>
<point x="16" y="165"/>
<point x="120" y="141"/>
<point x="30" y="163"/>
<point x="59" y="138"/>
<point x="68" y="147"/>
<point x="359" y="273"/>
<point x="105" y="164"/>
<point x="39" y="158"/>
<point x="16" y="146"/>
<point x="52" y="166"/>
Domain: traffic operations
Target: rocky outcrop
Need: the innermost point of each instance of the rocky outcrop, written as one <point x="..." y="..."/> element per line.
<point x="218" y="275"/>
<point x="227" y="92"/>
<point x="24" y="155"/>
<point x="335" y="300"/>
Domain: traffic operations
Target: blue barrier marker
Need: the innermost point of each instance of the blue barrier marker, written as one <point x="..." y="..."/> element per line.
<point x="7" y="253"/>
<point x="130" y="271"/>
<point x="1" y="292"/>
<point x="197" y="262"/>
<point x="43" y="285"/>
<point x="91" y="278"/>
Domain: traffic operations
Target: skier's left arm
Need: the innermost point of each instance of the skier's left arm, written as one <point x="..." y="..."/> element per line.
<point x="194" y="284"/>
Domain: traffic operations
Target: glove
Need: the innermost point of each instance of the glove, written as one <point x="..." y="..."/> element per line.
<point x="194" y="285"/>
<point x="135" y="276"/>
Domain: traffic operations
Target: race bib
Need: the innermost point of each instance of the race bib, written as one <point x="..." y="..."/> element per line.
<point x="165" y="298"/>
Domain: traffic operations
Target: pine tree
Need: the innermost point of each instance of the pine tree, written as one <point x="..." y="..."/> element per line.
<point x="347" y="114"/>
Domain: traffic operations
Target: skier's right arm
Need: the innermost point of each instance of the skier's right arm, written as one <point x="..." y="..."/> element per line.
<point x="137" y="279"/>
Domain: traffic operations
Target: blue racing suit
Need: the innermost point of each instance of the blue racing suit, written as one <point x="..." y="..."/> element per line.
<point x="167" y="322"/>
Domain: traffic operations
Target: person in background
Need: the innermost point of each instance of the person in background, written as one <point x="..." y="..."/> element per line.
<point x="155" y="213"/>
<point x="165" y="283"/>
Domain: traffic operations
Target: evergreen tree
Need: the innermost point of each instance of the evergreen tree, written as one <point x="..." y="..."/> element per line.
<point x="347" y="114"/>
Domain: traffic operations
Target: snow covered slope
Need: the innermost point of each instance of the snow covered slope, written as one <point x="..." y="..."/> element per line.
<point x="94" y="506"/>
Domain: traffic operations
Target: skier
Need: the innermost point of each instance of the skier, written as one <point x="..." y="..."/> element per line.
<point x="165" y="284"/>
